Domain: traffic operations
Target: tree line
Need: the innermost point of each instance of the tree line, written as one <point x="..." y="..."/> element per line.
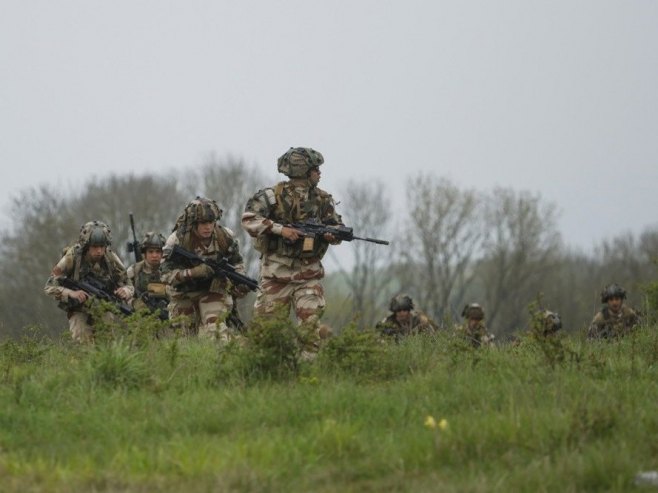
<point x="450" y="245"/>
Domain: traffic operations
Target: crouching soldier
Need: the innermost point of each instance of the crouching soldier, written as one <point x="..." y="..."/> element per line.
<point x="615" y="319"/>
<point x="474" y="328"/>
<point x="403" y="320"/>
<point x="196" y="292"/>
<point x="89" y="269"/>
<point x="144" y="276"/>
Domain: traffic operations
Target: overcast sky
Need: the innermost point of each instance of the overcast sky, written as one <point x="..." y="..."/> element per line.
<point x="556" y="97"/>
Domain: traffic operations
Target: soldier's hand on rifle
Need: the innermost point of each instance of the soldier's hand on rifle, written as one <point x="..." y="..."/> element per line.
<point x="124" y="292"/>
<point x="79" y="295"/>
<point x="330" y="238"/>
<point x="291" y="234"/>
<point x="240" y="290"/>
<point x="201" y="270"/>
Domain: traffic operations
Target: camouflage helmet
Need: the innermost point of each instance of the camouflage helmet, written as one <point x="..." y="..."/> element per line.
<point x="401" y="302"/>
<point x="551" y="321"/>
<point x="152" y="240"/>
<point x="298" y="161"/>
<point x="474" y="311"/>
<point x="199" y="210"/>
<point x="95" y="233"/>
<point x="612" y="291"/>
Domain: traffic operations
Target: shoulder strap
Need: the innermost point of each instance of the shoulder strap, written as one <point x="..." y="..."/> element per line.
<point x="77" y="252"/>
<point x="137" y="268"/>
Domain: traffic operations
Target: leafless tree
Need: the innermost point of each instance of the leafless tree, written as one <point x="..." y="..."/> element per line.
<point x="521" y="247"/>
<point x="442" y="235"/>
<point x="366" y="209"/>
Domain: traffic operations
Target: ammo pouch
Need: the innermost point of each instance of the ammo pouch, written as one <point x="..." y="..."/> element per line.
<point x="156" y="290"/>
<point x="306" y="247"/>
<point x="194" y="285"/>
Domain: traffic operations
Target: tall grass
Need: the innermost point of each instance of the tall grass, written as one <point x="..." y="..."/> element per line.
<point x="173" y="414"/>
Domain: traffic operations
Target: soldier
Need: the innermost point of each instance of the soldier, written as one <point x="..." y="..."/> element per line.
<point x="144" y="276"/>
<point x="615" y="319"/>
<point x="197" y="292"/>
<point x="403" y="320"/>
<point x="544" y="324"/>
<point x="291" y="267"/>
<point x="474" y="329"/>
<point x="551" y="323"/>
<point x="89" y="259"/>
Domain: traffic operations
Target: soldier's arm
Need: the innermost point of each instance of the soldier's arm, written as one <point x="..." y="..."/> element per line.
<point x="125" y="289"/>
<point x="330" y="216"/>
<point x="63" y="268"/>
<point x="257" y="213"/>
<point x="233" y="254"/>
<point x="328" y="211"/>
<point x="170" y="273"/>
<point x="596" y="327"/>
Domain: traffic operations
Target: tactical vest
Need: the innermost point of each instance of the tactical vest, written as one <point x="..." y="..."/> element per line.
<point x="147" y="282"/>
<point x="108" y="272"/>
<point x="616" y="325"/>
<point x="224" y="244"/>
<point x="287" y="207"/>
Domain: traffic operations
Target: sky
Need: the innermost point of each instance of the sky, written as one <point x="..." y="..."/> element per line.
<point x="557" y="97"/>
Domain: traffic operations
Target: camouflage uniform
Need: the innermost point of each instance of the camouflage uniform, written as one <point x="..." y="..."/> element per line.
<point x="416" y="324"/>
<point x="150" y="290"/>
<point x="206" y="299"/>
<point x="76" y="265"/>
<point x="476" y="333"/>
<point x="549" y="323"/>
<point x="290" y="273"/>
<point x="608" y="324"/>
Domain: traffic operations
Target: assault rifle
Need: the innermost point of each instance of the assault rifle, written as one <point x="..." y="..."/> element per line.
<point x="221" y="267"/>
<point x="133" y="246"/>
<point x="156" y="305"/>
<point x="312" y="228"/>
<point x="95" y="288"/>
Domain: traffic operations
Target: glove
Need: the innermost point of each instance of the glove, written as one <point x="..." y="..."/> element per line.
<point x="240" y="291"/>
<point x="124" y="293"/>
<point x="201" y="270"/>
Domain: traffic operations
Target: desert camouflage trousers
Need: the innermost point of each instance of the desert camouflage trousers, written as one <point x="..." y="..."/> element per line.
<point x="307" y="299"/>
<point x="80" y="325"/>
<point x="204" y="313"/>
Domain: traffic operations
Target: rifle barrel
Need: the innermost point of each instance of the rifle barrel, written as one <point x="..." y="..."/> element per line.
<point x="372" y="240"/>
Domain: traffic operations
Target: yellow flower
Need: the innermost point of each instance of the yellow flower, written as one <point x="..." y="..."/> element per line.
<point x="443" y="424"/>
<point x="430" y="422"/>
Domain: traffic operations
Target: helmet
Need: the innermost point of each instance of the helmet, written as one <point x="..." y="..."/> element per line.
<point x="551" y="320"/>
<point x="298" y="161"/>
<point x="473" y="310"/>
<point x="152" y="240"/>
<point x="401" y="302"/>
<point x="95" y="233"/>
<point x="202" y="210"/>
<point x="612" y="291"/>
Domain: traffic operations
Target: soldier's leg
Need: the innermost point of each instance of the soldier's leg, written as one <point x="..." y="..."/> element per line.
<point x="309" y="305"/>
<point x="214" y="308"/>
<point x="79" y="326"/>
<point x="272" y="297"/>
<point x="185" y="307"/>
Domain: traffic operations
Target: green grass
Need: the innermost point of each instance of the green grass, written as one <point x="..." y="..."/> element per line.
<point x="182" y="415"/>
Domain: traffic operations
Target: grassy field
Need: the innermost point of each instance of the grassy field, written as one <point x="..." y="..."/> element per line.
<point x="132" y="414"/>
